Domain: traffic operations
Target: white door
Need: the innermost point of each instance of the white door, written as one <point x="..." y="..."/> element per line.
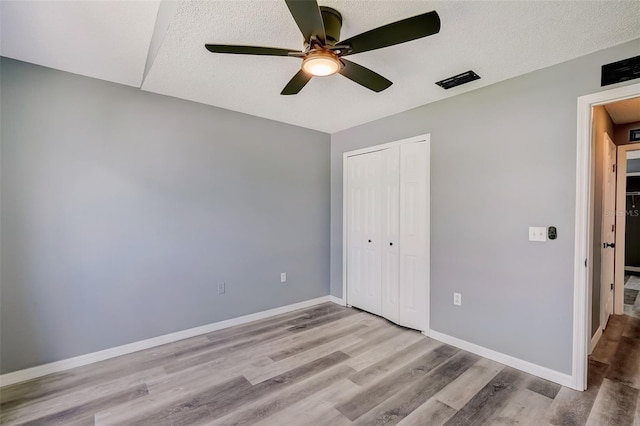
<point x="363" y="236"/>
<point x="608" y="231"/>
<point x="390" y="221"/>
<point x="414" y="235"/>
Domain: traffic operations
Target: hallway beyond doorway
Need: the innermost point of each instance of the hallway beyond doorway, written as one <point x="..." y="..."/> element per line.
<point x="631" y="298"/>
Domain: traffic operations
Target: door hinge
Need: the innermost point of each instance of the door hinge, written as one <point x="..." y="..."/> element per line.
<point x="613" y="228"/>
<point x="611" y="286"/>
<point x="585" y="263"/>
<point x="614" y="168"/>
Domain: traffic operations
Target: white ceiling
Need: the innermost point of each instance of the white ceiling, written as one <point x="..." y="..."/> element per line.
<point x="111" y="40"/>
<point x="108" y="40"/>
<point x="623" y="112"/>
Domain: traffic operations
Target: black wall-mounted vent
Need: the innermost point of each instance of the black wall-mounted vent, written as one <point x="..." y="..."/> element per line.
<point x="634" y="135"/>
<point x="457" y="80"/>
<point x="616" y="72"/>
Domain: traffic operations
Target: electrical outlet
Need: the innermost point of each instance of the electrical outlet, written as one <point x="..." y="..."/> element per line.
<point x="221" y="288"/>
<point x="283" y="277"/>
<point x="457" y="299"/>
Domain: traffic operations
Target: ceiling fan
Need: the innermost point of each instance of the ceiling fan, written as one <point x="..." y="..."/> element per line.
<point x="323" y="54"/>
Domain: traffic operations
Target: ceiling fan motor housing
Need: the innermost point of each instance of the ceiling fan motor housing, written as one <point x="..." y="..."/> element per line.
<point x="332" y="20"/>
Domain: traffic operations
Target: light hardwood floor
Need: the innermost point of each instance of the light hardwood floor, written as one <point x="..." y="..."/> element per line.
<point x="328" y="365"/>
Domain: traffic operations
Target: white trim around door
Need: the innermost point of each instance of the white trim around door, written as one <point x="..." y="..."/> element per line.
<point x="582" y="259"/>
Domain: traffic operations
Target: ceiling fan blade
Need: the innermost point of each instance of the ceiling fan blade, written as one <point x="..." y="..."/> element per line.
<point x="395" y="33"/>
<point x="307" y="15"/>
<point x="249" y="50"/>
<point x="364" y="76"/>
<point x="296" y="83"/>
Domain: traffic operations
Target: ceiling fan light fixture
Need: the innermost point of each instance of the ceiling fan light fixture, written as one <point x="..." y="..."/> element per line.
<point x="321" y="64"/>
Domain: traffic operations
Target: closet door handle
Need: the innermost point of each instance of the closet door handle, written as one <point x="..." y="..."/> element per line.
<point x="369" y="240"/>
<point x="390" y="244"/>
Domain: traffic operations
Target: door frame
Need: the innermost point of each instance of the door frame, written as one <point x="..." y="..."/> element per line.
<point x="583" y="231"/>
<point x="621" y="225"/>
<point x="420" y="138"/>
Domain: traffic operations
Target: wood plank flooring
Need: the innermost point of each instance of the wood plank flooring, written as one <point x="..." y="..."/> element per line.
<point x="328" y="365"/>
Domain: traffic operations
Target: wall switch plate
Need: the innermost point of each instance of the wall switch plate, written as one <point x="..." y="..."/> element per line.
<point x="283" y="277"/>
<point x="457" y="299"/>
<point x="537" y="233"/>
<point x="221" y="288"/>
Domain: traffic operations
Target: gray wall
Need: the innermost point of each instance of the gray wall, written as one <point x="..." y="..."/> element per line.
<point x="503" y="159"/>
<point x="122" y="210"/>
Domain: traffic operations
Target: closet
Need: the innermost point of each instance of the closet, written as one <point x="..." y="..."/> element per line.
<point x="386" y="201"/>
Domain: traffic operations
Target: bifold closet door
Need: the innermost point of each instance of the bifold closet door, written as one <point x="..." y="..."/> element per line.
<point x="414" y="235"/>
<point x="390" y="228"/>
<point x="363" y="232"/>
<point x="387" y="222"/>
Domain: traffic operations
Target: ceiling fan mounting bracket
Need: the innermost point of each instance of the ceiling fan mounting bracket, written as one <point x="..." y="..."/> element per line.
<point x="341" y="50"/>
<point x="332" y="20"/>
<point x="314" y="43"/>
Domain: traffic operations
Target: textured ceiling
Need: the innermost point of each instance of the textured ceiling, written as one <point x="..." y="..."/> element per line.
<point x="623" y="112"/>
<point x="498" y="40"/>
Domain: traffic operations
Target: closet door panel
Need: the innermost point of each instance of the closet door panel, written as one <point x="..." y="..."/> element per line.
<point x="390" y="220"/>
<point x="414" y="250"/>
<point x="363" y="237"/>
<point x="373" y="294"/>
<point x="355" y="199"/>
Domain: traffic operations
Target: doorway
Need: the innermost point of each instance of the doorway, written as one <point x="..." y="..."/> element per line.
<point x="596" y="291"/>
<point x="612" y="127"/>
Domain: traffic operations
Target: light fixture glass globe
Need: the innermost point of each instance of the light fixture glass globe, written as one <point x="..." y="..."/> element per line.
<point x="321" y="64"/>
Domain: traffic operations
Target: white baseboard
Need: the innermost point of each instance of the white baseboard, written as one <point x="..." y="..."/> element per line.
<point x="337" y="300"/>
<point x="632" y="268"/>
<point x="78" y="361"/>
<point x="537" y="370"/>
<point x="594" y="340"/>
